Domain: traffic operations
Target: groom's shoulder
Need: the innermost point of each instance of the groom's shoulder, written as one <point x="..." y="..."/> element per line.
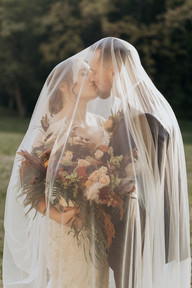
<point x="140" y="118"/>
<point x="156" y="126"/>
<point x="143" y="121"/>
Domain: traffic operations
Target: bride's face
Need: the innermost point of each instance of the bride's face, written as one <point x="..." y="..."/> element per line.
<point x="84" y="86"/>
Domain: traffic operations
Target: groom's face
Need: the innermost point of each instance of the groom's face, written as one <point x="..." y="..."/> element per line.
<point x="102" y="75"/>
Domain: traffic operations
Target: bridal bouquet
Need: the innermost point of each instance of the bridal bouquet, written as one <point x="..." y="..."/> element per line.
<point x="88" y="177"/>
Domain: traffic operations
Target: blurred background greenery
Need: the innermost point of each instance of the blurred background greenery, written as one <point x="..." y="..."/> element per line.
<point x="36" y="35"/>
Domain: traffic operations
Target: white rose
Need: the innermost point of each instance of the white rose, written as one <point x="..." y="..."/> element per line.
<point x="98" y="154"/>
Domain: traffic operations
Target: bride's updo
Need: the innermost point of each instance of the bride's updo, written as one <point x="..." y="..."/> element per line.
<point x="63" y="73"/>
<point x="66" y="72"/>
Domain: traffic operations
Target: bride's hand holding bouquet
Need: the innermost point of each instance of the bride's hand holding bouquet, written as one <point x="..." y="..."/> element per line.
<point x="87" y="183"/>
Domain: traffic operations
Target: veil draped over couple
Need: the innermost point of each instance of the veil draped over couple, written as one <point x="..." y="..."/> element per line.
<point x="98" y="193"/>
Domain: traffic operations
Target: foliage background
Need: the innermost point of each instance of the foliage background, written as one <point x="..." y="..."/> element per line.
<point x="36" y="35"/>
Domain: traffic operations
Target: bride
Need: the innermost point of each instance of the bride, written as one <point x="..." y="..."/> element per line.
<point x="49" y="242"/>
<point x="72" y="269"/>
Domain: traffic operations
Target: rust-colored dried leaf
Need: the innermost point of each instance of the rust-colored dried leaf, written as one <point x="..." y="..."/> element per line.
<point x="109" y="227"/>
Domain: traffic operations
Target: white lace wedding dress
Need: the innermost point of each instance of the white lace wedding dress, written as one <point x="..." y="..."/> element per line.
<point x="67" y="265"/>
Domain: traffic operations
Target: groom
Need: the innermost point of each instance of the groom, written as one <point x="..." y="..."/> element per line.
<point x="103" y="74"/>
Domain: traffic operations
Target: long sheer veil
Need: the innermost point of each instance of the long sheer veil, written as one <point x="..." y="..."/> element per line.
<point x="123" y="172"/>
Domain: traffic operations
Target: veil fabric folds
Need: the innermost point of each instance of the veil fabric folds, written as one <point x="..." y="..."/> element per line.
<point x="98" y="193"/>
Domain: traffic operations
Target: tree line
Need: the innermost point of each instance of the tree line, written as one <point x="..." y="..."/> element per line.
<point x="36" y="35"/>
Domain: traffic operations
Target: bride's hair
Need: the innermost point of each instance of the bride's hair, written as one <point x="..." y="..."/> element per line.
<point x="63" y="73"/>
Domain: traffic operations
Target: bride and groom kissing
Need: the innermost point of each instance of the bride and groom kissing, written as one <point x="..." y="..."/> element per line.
<point x="117" y="182"/>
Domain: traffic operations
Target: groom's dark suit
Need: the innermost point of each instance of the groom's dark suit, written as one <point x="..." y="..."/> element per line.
<point x="121" y="146"/>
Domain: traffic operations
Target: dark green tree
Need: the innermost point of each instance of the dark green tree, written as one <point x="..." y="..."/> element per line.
<point x="36" y="35"/>
<point x="20" y="58"/>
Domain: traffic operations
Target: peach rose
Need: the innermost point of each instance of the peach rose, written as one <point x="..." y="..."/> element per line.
<point x="104" y="180"/>
<point x="94" y="176"/>
<point x="102" y="170"/>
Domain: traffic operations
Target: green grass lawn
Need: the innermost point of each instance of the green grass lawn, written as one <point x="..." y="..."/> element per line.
<point x="186" y="131"/>
<point x="12" y="130"/>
